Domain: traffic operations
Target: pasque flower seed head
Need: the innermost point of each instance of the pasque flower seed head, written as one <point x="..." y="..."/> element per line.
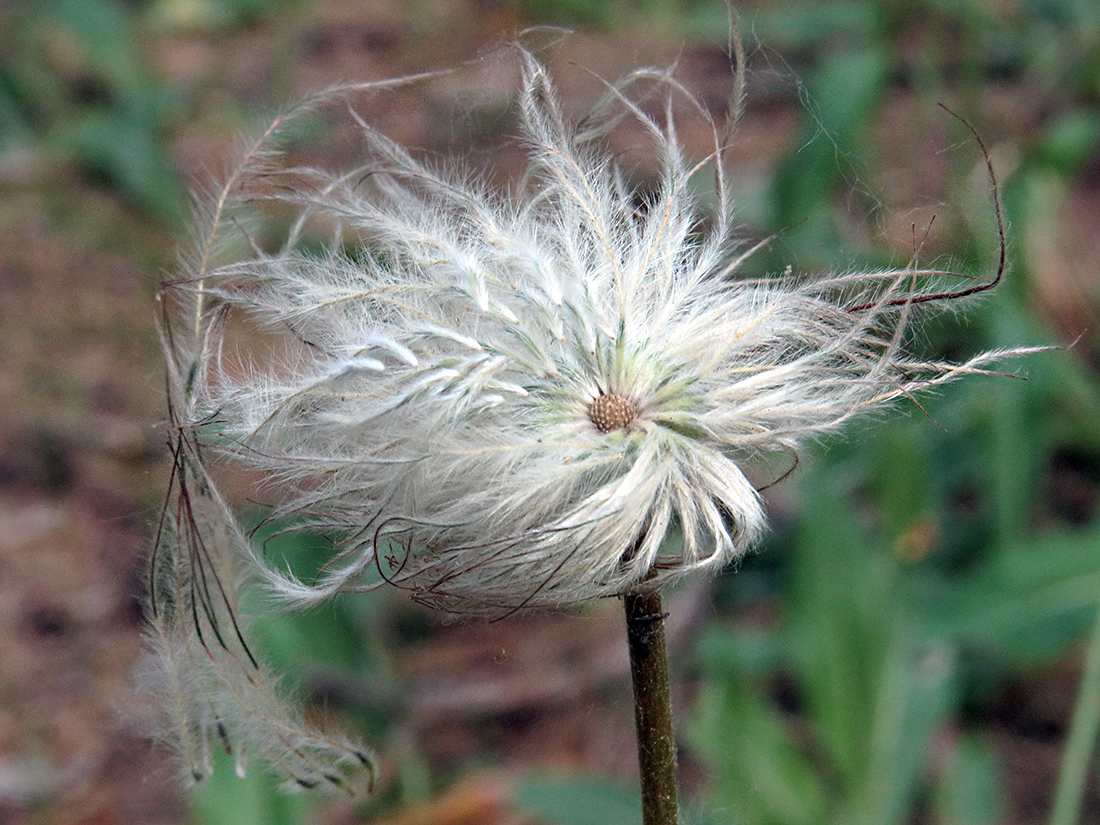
<point x="494" y="402"/>
<point x="611" y="412"/>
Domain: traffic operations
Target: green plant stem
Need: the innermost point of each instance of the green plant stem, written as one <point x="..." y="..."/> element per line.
<point x="1082" y="738"/>
<point x="645" y="630"/>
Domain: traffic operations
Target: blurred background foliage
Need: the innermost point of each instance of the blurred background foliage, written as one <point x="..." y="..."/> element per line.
<point x="932" y="575"/>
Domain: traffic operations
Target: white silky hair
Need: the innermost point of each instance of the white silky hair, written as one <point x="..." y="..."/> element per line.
<point x="429" y="404"/>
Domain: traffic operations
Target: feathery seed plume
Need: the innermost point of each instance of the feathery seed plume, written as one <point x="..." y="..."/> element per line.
<point x="494" y="402"/>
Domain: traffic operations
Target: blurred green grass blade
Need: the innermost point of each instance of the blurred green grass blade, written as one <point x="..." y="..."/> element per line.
<point x="796" y="25"/>
<point x="1017" y="458"/>
<point x="569" y="11"/>
<point x="1047" y="583"/>
<point x="970" y="792"/>
<point x="753" y="651"/>
<point x="1081" y="743"/>
<point x="230" y="800"/>
<point x="127" y="153"/>
<point x="705" y="21"/>
<point x="1082" y="14"/>
<point x="902" y="476"/>
<point x="1078" y="394"/>
<point x="337" y="645"/>
<point x="578" y="801"/>
<point x="915" y="695"/>
<point x="300" y="641"/>
<point x="758" y="774"/>
<point x="209" y="15"/>
<point x="1034" y="200"/>
<point x="109" y="44"/>
<point x="846" y="90"/>
<point x="1070" y="141"/>
<point x="842" y="98"/>
<point x="838" y="621"/>
<point x="1027" y="603"/>
<point x="15" y="122"/>
<point x="1014" y="413"/>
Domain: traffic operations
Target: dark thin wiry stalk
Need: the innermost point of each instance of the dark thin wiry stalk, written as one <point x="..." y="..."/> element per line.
<point x="645" y="630"/>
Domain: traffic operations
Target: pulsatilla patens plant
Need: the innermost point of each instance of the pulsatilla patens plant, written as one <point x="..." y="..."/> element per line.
<point x="495" y="402"/>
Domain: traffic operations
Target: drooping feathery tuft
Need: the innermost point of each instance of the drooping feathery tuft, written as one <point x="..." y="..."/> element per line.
<point x="494" y="402"/>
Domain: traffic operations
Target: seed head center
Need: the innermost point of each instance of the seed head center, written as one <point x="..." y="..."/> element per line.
<point x="611" y="412"/>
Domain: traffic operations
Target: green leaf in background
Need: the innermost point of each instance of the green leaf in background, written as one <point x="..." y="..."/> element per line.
<point x="1032" y="601"/>
<point x="838" y="621"/>
<point x="76" y="85"/>
<point x="758" y="773"/>
<point x="209" y="15"/>
<point x="119" y="137"/>
<point x="876" y="689"/>
<point x="913" y="698"/>
<point x="801" y="24"/>
<point x="16" y="128"/>
<point x="578" y="801"/>
<point x="231" y="800"/>
<point x="842" y="97"/>
<point x="599" y="13"/>
<point x="743" y="651"/>
<point x="971" y="792"/>
<point x="1070" y="140"/>
<point x="902" y="474"/>
<point x="105" y="36"/>
<point x="339" y="640"/>
<point x="1017" y="454"/>
<point x="129" y="155"/>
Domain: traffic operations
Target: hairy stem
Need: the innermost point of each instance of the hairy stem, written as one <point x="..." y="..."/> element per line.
<point x="645" y="629"/>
